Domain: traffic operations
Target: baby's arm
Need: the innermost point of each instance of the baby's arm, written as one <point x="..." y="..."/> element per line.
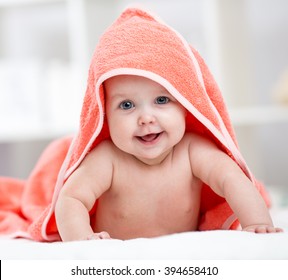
<point x="225" y="177"/>
<point x="79" y="193"/>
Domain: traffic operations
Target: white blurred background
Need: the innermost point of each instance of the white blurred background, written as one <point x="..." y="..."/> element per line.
<point x="46" y="46"/>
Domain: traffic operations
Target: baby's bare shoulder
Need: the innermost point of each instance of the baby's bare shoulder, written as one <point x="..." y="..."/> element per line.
<point x="105" y="147"/>
<point x="199" y="145"/>
<point x="105" y="153"/>
<point x="102" y="153"/>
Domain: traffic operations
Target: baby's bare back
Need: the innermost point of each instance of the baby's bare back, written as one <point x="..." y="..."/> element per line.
<point x="147" y="201"/>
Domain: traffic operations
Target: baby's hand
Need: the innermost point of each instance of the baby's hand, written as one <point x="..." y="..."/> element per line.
<point x="99" y="235"/>
<point x="262" y="229"/>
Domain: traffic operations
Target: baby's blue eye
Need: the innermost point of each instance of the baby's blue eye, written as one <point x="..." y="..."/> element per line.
<point x="126" y="105"/>
<point x="162" y="100"/>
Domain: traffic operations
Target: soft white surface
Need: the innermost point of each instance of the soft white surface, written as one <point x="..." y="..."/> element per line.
<point x="192" y="245"/>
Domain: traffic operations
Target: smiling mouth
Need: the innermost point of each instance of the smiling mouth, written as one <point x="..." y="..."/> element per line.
<point x="149" y="138"/>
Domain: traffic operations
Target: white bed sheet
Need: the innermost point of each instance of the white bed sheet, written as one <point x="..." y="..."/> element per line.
<point x="193" y="245"/>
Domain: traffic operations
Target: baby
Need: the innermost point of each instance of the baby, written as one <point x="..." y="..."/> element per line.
<point x="147" y="178"/>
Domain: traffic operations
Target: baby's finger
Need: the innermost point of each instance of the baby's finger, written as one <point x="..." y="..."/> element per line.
<point x="261" y="229"/>
<point x="104" y="235"/>
<point x="279" y="230"/>
<point x="100" y="235"/>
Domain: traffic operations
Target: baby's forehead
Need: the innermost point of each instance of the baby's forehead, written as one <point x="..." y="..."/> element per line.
<point x="130" y="82"/>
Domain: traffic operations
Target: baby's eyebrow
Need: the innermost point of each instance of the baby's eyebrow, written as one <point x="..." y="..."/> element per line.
<point x="119" y="96"/>
<point x="165" y="92"/>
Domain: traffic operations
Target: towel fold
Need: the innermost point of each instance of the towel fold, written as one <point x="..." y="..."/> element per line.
<point x="135" y="44"/>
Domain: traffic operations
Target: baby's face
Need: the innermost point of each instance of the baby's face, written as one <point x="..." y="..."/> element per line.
<point x="144" y="119"/>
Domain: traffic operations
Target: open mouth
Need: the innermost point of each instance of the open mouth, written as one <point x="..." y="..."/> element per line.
<point x="149" y="138"/>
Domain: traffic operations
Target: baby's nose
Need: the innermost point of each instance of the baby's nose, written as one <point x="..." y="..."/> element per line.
<point x="146" y="118"/>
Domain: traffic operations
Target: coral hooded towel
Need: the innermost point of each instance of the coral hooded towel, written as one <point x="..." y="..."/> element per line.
<point x="139" y="44"/>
